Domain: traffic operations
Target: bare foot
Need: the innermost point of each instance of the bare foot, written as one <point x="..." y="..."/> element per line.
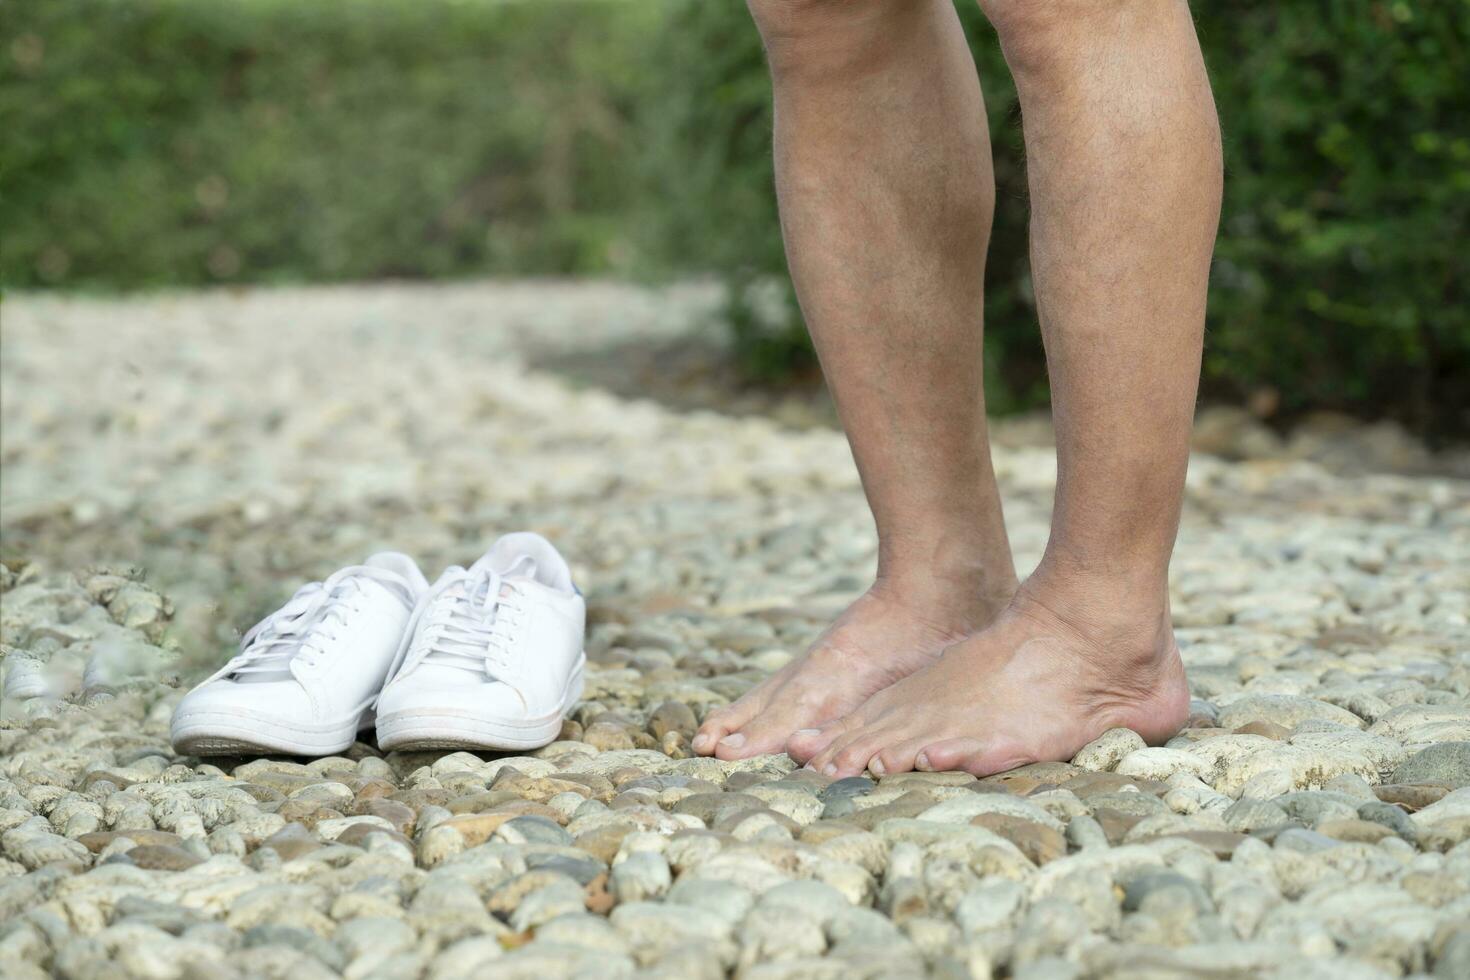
<point x="879" y="639"/>
<point x="1034" y="687"/>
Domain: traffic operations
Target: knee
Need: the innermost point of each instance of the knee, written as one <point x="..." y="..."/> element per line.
<point x="1039" y="36"/>
<point x="825" y="37"/>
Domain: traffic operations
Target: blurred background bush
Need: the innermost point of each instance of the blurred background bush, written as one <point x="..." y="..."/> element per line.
<point x="159" y="143"/>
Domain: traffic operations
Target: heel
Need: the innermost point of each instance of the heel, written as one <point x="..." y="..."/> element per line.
<point x="575" y="686"/>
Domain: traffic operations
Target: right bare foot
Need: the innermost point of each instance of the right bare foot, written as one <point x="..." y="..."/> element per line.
<point x="878" y="640"/>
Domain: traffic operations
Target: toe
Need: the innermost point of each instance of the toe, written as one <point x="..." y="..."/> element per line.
<point x="765" y="733"/>
<point x="849" y="754"/>
<point x="806" y="744"/>
<point x="897" y="756"/>
<point x="723" y="723"/>
<point x="973" y="755"/>
<point x="825" y="761"/>
<point x="855" y="757"/>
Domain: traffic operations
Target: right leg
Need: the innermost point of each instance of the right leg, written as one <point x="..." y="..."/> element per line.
<point x="886" y="195"/>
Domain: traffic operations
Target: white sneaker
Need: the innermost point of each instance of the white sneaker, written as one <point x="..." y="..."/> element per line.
<point x="495" y="660"/>
<point x="306" y="675"/>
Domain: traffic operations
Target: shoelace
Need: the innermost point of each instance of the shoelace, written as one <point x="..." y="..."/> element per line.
<point x="303" y="624"/>
<point x="466" y="620"/>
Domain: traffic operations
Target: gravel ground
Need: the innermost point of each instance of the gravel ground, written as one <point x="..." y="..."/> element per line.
<point x="1314" y="820"/>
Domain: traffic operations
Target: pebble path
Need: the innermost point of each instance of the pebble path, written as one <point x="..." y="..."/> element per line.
<point x="174" y="466"/>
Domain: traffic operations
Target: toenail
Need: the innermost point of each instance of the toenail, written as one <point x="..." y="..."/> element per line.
<point x="830" y="769"/>
<point x="807" y="731"/>
<point x="922" y="762"/>
<point x="733" y="741"/>
<point x="877" y="767"/>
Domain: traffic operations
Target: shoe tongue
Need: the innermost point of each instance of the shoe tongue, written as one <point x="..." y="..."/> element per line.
<point x="521" y="567"/>
<point x="473" y="585"/>
<point x="404" y="589"/>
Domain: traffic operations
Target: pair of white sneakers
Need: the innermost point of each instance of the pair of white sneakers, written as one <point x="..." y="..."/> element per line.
<point x="488" y="657"/>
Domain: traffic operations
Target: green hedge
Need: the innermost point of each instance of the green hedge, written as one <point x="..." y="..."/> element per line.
<point x="154" y="142"/>
<point x="162" y="142"/>
<point x="1341" y="273"/>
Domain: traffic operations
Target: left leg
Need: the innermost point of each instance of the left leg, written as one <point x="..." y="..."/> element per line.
<point x="1123" y="160"/>
<point x="883" y="177"/>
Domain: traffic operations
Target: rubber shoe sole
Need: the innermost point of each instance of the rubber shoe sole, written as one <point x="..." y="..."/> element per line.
<point x="242" y="733"/>
<point x="419" y="729"/>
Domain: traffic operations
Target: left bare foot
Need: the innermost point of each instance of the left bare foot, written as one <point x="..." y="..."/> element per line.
<point x="883" y="636"/>
<point x="1036" y="686"/>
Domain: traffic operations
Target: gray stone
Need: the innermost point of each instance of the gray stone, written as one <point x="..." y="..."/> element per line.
<point x="838" y="807"/>
<point x="640" y="876"/>
<point x="586" y="931"/>
<point x="1164" y="889"/>
<point x="858" y="924"/>
<point x="776" y="934"/>
<point x="301" y="940"/>
<point x="1304" y="841"/>
<point x="1351" y="784"/>
<point x="1131" y="804"/>
<point x="1310" y="807"/>
<point x="580" y="869"/>
<point x="1390" y="816"/>
<point x="539" y="961"/>
<point x="1286" y="710"/>
<point x="1446" y="764"/>
<point x="847" y="787"/>
<point x="1104" y="753"/>
<point x="1453" y="961"/>
<point x="808" y="899"/>
<point x="170" y="918"/>
<point x="161" y="857"/>
<point x="533" y="830"/>
<point x="1049" y="927"/>
<point x="558" y="897"/>
<point x="1085" y="833"/>
<point x="653" y="929"/>
<point x="990" y="905"/>
<point x="465" y="958"/>
<point x="1254" y="814"/>
<point x="725" y="899"/>
<point x="373" y="939"/>
<point x="964" y="808"/>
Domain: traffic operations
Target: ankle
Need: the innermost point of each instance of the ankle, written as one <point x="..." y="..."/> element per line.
<point x="962" y="600"/>
<point x="1124" y="616"/>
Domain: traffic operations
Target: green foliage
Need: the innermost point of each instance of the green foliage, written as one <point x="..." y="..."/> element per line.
<point x="1340" y="275"/>
<point x="187" y="141"/>
<point x="163" y="142"/>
